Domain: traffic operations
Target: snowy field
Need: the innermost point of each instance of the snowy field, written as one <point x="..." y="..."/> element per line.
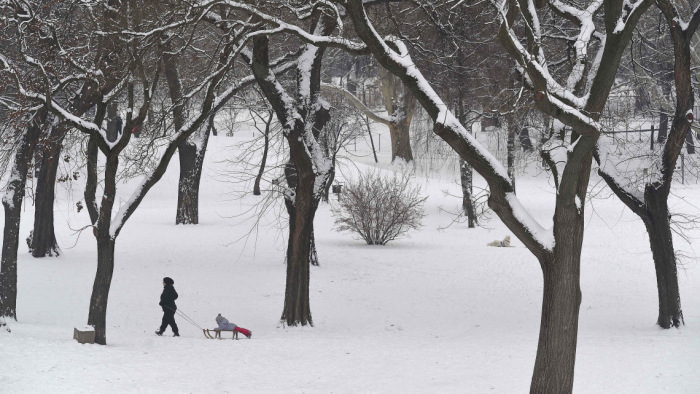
<point x="438" y="312"/>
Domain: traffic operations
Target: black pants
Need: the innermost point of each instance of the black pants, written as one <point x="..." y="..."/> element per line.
<point x="168" y="319"/>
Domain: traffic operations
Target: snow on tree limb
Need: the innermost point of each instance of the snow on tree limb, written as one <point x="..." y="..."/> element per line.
<point x="392" y="54"/>
<point x="357" y="103"/>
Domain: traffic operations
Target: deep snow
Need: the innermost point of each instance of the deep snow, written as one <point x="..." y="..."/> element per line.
<point x="437" y="312"/>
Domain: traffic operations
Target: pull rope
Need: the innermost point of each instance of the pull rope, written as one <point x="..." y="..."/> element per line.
<point x="185" y="317"/>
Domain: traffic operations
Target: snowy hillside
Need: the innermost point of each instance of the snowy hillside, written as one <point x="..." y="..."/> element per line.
<point x="438" y="312"/>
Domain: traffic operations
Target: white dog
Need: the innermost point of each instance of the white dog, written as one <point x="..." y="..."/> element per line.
<point x="501" y="244"/>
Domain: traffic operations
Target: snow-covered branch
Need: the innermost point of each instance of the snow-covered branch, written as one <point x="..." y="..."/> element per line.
<point x="392" y="54"/>
<point x="357" y="103"/>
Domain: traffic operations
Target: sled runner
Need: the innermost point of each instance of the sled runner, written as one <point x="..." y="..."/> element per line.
<point x="217" y="333"/>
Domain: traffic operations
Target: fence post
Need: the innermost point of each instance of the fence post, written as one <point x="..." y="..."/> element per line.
<point x="652" y="136"/>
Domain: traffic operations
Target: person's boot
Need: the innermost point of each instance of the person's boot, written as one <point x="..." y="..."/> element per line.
<point x="176" y="334"/>
<point x="159" y="333"/>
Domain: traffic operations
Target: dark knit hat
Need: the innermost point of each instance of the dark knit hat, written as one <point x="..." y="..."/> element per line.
<point x="168" y="281"/>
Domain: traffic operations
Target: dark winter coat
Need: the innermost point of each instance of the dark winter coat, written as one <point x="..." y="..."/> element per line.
<point x="167" y="299"/>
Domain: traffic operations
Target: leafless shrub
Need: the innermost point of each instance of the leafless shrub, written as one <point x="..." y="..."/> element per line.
<point x="379" y="208"/>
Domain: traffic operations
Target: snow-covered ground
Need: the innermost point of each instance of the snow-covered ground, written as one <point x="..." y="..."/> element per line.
<point x="438" y="312"/>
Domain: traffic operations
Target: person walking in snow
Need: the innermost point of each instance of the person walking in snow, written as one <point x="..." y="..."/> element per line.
<point x="167" y="302"/>
<point x="225" y="325"/>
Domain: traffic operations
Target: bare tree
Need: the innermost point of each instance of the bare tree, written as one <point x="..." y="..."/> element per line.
<point x="651" y="204"/>
<point x="380" y="208"/>
<point x="558" y="251"/>
<point x="309" y="168"/>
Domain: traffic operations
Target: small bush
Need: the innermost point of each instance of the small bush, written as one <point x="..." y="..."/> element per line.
<point x="379" y="208"/>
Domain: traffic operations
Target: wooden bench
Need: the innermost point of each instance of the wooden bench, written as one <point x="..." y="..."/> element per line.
<point x="217" y="333"/>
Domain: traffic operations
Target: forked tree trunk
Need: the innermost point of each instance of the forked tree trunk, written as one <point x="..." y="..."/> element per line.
<point x="12" y="204"/>
<point x="191" y="155"/>
<point x="97" y="316"/>
<point x="658" y="227"/>
<point x="191" y="166"/>
<point x="300" y="171"/>
<point x="43" y="236"/>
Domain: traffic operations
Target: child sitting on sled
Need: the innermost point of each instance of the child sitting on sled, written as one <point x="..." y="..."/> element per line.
<point x="225" y="325"/>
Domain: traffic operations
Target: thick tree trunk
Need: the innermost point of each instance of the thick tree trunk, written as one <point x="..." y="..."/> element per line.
<point x="191" y="166"/>
<point x="400" y="142"/>
<point x="561" y="299"/>
<point x="658" y="227"/>
<point x="556" y="349"/>
<point x="466" y="175"/>
<point x="188" y="185"/>
<point x="43" y="236"/>
<point x="12" y="204"/>
<point x="191" y="155"/>
<point x="105" y="253"/>
<point x="400" y="104"/>
<point x="297" y="308"/>
<point x="100" y="289"/>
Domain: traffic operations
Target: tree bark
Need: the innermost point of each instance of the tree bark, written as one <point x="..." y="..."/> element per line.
<point x="12" y="204"/>
<point x="191" y="166"/>
<point x="97" y="316"/>
<point x="43" y="236"/>
<point x="400" y="104"/>
<point x="297" y="308"/>
<point x="658" y="225"/>
<point x="511" y="151"/>
<point x="263" y="162"/>
<point x="561" y="297"/>
<point x="556" y="348"/>
<point x="191" y="155"/>
<point x="91" y="182"/>
<point x="466" y="176"/>
<point x="100" y="289"/>
<point x="188" y="185"/>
